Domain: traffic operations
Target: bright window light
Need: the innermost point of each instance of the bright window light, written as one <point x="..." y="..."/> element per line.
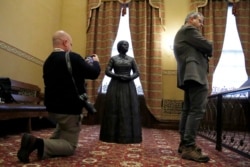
<point x="230" y="72"/>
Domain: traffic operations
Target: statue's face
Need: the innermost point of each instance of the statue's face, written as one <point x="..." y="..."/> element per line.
<point x="123" y="46"/>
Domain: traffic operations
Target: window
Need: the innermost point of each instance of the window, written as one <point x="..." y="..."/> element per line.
<point x="123" y="34"/>
<point x="230" y="72"/>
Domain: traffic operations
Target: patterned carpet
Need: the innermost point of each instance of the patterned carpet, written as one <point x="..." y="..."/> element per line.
<point x="158" y="149"/>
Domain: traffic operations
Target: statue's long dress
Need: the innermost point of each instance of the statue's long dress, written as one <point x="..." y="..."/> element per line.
<point x="121" y="117"/>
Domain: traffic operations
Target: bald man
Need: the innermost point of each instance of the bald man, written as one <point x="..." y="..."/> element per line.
<point x="61" y="100"/>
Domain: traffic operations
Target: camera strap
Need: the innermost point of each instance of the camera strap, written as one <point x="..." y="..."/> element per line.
<point x="70" y="70"/>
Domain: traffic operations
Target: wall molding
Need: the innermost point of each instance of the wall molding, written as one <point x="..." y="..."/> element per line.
<point x="169" y="72"/>
<point x="9" y="48"/>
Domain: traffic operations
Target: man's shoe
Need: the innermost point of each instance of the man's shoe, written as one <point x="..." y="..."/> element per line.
<point x="191" y="153"/>
<point x="181" y="146"/>
<point x="27" y="146"/>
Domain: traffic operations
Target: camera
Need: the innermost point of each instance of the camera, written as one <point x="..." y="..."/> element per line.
<point x="89" y="60"/>
<point x="87" y="105"/>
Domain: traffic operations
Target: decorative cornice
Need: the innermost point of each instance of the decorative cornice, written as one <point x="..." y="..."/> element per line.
<point x="124" y="1"/>
<point x="9" y="48"/>
<point x="202" y="5"/>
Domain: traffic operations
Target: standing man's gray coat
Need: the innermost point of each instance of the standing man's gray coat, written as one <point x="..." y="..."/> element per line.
<point x="191" y="51"/>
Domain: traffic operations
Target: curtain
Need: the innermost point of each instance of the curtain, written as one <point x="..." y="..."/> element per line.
<point x="215" y="13"/>
<point x="242" y="13"/>
<point x="146" y="27"/>
<point x="103" y="21"/>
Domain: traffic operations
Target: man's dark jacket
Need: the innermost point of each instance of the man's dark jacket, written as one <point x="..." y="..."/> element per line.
<point x="60" y="94"/>
<point x="191" y="50"/>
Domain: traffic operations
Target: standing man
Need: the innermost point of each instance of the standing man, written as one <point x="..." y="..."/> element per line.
<point x="61" y="100"/>
<point x="192" y="51"/>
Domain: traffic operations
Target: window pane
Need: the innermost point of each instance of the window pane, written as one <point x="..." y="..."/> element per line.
<point x="230" y="72"/>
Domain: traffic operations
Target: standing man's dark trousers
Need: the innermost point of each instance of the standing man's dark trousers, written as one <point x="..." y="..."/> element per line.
<point x="195" y="100"/>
